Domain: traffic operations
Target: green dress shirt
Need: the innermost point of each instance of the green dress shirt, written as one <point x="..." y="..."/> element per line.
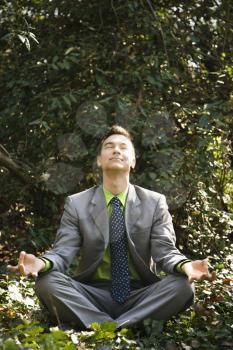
<point x="103" y="272"/>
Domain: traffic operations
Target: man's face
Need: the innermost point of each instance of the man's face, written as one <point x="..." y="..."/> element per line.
<point x="117" y="153"/>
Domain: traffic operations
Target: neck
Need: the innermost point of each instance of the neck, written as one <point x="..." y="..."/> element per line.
<point x="115" y="183"/>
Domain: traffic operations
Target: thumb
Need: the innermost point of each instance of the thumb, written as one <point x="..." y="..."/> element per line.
<point x="12" y="268"/>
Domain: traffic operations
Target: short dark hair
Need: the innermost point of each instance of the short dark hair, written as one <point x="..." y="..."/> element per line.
<point x="115" y="130"/>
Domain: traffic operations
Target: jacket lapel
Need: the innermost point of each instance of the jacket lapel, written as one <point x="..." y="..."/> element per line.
<point x="133" y="208"/>
<point x="98" y="211"/>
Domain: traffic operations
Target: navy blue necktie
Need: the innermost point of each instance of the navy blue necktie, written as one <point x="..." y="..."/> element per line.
<point x="119" y="254"/>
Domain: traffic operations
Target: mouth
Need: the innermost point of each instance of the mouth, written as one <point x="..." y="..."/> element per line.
<point x="116" y="159"/>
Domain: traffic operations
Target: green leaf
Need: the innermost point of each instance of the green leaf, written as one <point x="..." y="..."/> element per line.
<point x="67" y="100"/>
<point x="31" y="35"/>
<point x="204" y="121"/>
<point x="10" y="344"/>
<point x="22" y="38"/>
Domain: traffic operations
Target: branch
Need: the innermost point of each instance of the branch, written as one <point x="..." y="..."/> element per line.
<point x="7" y="162"/>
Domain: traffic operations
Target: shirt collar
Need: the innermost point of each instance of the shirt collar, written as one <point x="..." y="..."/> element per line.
<point x="121" y="196"/>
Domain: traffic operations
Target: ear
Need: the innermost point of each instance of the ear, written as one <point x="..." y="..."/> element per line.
<point x="133" y="163"/>
<point x="98" y="161"/>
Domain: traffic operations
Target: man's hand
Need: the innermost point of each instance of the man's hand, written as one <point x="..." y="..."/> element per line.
<point x="197" y="270"/>
<point x="28" y="264"/>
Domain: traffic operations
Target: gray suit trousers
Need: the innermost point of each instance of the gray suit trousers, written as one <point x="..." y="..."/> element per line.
<point x="77" y="304"/>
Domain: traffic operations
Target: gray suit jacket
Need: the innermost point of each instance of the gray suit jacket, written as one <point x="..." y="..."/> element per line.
<point x="84" y="231"/>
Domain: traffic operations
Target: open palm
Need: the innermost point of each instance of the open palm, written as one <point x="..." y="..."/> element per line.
<point x="197" y="270"/>
<point x="28" y="264"/>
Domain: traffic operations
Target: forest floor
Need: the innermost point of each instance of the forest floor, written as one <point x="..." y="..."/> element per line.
<point x="206" y="325"/>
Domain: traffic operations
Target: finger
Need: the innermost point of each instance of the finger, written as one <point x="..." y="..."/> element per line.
<point x="198" y="278"/>
<point x="205" y="276"/>
<point x="191" y="279"/>
<point x="208" y="276"/>
<point x="212" y="276"/>
<point x="12" y="268"/>
<point x="34" y="274"/>
<point x="22" y="270"/>
<point x="21" y="257"/>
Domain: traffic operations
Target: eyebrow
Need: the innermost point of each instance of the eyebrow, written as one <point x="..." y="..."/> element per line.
<point x="113" y="143"/>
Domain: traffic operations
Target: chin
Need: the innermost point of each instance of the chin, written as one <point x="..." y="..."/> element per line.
<point x="116" y="167"/>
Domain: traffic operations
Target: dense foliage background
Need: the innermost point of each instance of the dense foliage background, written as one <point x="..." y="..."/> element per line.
<point x="163" y="69"/>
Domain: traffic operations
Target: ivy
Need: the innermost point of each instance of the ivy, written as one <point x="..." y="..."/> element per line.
<point x="163" y="70"/>
<point x="206" y="325"/>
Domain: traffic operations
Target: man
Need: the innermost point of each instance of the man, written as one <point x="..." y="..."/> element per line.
<point x="122" y="233"/>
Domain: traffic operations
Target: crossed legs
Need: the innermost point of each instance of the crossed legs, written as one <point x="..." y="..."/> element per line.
<point x="78" y="305"/>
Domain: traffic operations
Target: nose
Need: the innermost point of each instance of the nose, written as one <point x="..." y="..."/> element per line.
<point x="116" y="150"/>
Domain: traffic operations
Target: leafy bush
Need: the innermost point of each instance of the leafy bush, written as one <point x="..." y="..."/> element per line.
<point x="207" y="325"/>
<point x="162" y="69"/>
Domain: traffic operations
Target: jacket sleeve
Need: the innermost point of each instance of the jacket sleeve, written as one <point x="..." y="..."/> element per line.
<point x="163" y="239"/>
<point x="68" y="239"/>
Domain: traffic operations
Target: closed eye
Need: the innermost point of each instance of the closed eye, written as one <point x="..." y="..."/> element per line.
<point x="112" y="145"/>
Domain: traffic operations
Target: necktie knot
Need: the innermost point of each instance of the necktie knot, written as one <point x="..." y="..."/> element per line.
<point x="116" y="201"/>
